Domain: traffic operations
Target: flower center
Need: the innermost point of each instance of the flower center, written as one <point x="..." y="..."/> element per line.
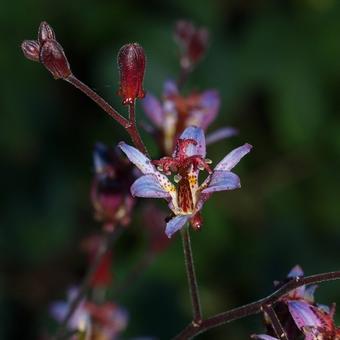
<point x="184" y="196"/>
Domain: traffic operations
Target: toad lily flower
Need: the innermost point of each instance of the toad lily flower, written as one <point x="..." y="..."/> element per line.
<point x="301" y="316"/>
<point x="175" y="112"/>
<point x="186" y="197"/>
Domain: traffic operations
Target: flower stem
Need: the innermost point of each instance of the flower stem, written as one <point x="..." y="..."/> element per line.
<point x="255" y="307"/>
<point x="128" y="124"/>
<point x="133" y="131"/>
<point x="275" y="322"/>
<point x="192" y="280"/>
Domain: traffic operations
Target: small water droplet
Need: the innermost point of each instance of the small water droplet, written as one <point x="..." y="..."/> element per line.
<point x="177" y="178"/>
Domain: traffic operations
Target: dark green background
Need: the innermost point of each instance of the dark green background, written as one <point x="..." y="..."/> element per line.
<point x="277" y="67"/>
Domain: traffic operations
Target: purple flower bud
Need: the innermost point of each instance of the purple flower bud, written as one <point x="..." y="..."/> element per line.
<point x="45" y="32"/>
<point x="52" y="56"/>
<point x="31" y="49"/>
<point x="131" y="63"/>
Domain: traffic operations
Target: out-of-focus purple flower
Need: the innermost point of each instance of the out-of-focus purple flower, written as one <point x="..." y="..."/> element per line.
<point x="111" y="186"/>
<point x="171" y="116"/>
<point x="95" y="321"/>
<point x="109" y="320"/>
<point x="187" y="197"/>
<point x="80" y="319"/>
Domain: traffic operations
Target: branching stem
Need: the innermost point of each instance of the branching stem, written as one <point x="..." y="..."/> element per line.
<point x="255" y="307"/>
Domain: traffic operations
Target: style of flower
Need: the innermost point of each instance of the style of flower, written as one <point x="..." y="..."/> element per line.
<point x="176" y="113"/>
<point x="186" y="198"/>
<point x="300" y="315"/>
<point x="110" y="194"/>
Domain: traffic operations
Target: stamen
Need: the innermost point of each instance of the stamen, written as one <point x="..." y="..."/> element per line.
<point x="208" y="161"/>
<point x="200" y="167"/>
<point x="159" y="168"/>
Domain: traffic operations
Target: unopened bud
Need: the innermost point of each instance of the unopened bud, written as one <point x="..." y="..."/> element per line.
<point x="45" y="32"/>
<point x="131" y="63"/>
<point x="52" y="56"/>
<point x="31" y="49"/>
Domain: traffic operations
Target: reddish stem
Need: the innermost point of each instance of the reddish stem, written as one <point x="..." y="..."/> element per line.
<point x="255" y="307"/>
<point x="275" y="322"/>
<point x="133" y="131"/>
<point x="128" y="125"/>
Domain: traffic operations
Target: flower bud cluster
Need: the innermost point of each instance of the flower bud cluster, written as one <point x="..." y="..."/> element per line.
<point x="48" y="52"/>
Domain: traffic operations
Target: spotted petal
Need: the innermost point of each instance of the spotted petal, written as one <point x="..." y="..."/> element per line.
<point x="137" y="158"/>
<point x="303" y="314"/>
<point x="176" y="224"/>
<point x="222" y="180"/>
<point x="233" y="157"/>
<point x="153" y="109"/>
<point x="148" y="186"/>
<point x="197" y="134"/>
<point x="219" y="134"/>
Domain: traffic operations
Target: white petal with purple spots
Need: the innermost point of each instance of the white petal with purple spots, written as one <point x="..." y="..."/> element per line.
<point x="233" y="157"/>
<point x="148" y="186"/>
<point x="222" y="180"/>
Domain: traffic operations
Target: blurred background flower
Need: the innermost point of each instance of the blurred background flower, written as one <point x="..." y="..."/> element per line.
<point x="276" y="66"/>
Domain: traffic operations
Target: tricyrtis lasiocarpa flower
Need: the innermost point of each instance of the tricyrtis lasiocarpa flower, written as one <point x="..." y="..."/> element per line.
<point x="171" y="115"/>
<point x="185" y="196"/>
